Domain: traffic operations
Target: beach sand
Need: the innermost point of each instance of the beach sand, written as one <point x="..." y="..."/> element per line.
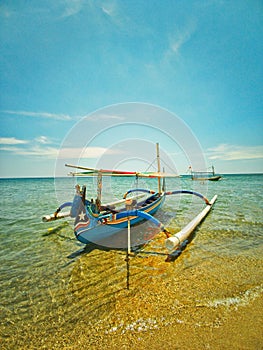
<point x="186" y="304"/>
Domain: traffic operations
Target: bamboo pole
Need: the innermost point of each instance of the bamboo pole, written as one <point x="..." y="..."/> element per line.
<point x="176" y="240"/>
<point x="53" y="217"/>
<point x="158" y="166"/>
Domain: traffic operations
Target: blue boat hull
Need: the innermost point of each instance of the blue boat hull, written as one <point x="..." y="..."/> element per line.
<point x="105" y="230"/>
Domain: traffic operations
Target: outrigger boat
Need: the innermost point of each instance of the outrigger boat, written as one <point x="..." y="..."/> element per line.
<point x="95" y="222"/>
<point x="205" y="175"/>
<point x="98" y="223"/>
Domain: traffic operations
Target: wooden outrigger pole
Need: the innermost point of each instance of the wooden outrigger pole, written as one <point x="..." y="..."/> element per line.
<point x="175" y="241"/>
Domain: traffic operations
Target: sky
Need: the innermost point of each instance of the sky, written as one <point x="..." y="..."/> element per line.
<point x="98" y="83"/>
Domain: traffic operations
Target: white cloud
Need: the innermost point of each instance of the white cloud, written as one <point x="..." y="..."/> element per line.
<point x="72" y="7"/>
<point x="62" y="117"/>
<point x="11" y="141"/>
<point x="85" y="153"/>
<point x="36" y="151"/>
<point x="235" y="152"/>
<point x="48" y="152"/>
<point x="42" y="150"/>
<point x="177" y="40"/>
<point x="109" y="9"/>
<point x="9" y="149"/>
<point x="40" y="115"/>
<point x="36" y="147"/>
<point x="43" y="140"/>
<point x="113" y="10"/>
<point x="104" y="117"/>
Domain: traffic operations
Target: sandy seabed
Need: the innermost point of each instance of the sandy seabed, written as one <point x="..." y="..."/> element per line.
<point x="193" y="303"/>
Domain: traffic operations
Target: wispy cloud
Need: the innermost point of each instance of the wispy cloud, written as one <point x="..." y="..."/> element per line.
<point x="235" y="152"/>
<point x="114" y="14"/>
<point x="11" y="141"/>
<point x="43" y="140"/>
<point x="40" y="115"/>
<point x="63" y="117"/>
<point x="72" y="7"/>
<point x="35" y="151"/>
<point x="85" y="153"/>
<point x="176" y="42"/>
<point x="98" y="9"/>
<point x="104" y="116"/>
<point x="177" y="39"/>
<point x="37" y="147"/>
<point x="42" y="147"/>
<point x="109" y="9"/>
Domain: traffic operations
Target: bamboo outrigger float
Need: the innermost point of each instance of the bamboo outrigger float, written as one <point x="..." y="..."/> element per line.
<point x="95" y="222"/>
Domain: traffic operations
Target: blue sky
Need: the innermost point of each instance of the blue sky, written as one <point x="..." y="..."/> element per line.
<point x="63" y="62"/>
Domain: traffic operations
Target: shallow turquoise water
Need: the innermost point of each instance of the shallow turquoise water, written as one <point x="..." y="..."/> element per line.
<point x="41" y="280"/>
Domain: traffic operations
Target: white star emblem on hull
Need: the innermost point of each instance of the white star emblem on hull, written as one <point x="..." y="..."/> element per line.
<point x="82" y="215"/>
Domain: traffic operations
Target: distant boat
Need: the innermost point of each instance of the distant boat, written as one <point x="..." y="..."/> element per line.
<point x="205" y="175"/>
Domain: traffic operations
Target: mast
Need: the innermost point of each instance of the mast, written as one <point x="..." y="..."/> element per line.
<point x="99" y="186"/>
<point x="158" y="166"/>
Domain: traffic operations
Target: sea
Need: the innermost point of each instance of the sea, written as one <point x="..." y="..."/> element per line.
<point x="56" y="293"/>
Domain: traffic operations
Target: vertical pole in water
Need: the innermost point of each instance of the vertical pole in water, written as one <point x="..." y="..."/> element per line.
<point x="159" y="166"/>
<point x="129" y="236"/>
<point x="128" y="254"/>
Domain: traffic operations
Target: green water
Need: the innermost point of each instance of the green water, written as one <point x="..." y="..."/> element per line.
<point x="53" y="298"/>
